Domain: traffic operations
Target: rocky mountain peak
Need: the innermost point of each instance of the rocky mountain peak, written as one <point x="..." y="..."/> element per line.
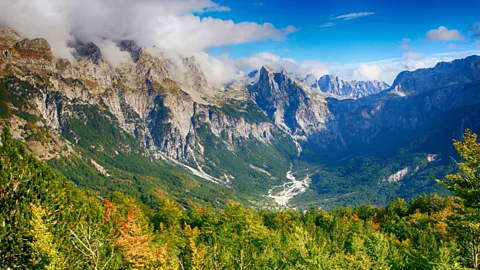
<point x="35" y="54"/>
<point x="131" y="47"/>
<point x="88" y="51"/>
<point x="311" y="80"/>
<point x="267" y="69"/>
<point x="355" y="89"/>
<point x="443" y="74"/>
<point x="8" y="37"/>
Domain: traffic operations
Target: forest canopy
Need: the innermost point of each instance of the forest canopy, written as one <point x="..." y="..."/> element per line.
<point x="49" y="223"/>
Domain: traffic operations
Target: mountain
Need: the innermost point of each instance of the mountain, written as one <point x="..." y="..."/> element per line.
<point x="311" y="80"/>
<point x="395" y="134"/>
<point x="157" y="127"/>
<point x="104" y="117"/>
<point x="288" y="103"/>
<point x="354" y="89"/>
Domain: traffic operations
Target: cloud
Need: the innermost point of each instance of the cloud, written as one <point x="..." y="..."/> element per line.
<point x="328" y="24"/>
<point x="301" y="69"/>
<point x="453" y="46"/>
<point x="351" y="16"/>
<point x="412" y="55"/>
<point x="220" y="70"/>
<point x="344" y="17"/>
<point x="258" y="4"/>
<point x="390" y="68"/>
<point x="170" y="25"/>
<point x="112" y="53"/>
<point x="405" y="45"/>
<point x="384" y="70"/>
<point x="443" y="34"/>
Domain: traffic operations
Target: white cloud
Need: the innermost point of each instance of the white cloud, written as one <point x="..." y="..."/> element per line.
<point x="405" y="45"/>
<point x="219" y="70"/>
<point x="173" y="26"/>
<point x="443" y="34"/>
<point x="412" y="55"/>
<point x="351" y="16"/>
<point x="278" y="63"/>
<point x="113" y="54"/>
<point x="170" y="25"/>
<point x="384" y="70"/>
<point x="390" y="68"/>
<point x="328" y="24"/>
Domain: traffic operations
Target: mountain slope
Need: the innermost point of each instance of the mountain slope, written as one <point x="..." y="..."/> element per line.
<point x="157" y="126"/>
<point x="114" y="119"/>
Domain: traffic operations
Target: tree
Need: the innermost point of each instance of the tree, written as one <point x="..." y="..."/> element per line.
<point x="466" y="182"/>
<point x="44" y="245"/>
<point x="466" y="185"/>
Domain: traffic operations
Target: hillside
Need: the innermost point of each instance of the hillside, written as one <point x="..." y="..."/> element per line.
<point x="48" y="223"/>
<point x="159" y="127"/>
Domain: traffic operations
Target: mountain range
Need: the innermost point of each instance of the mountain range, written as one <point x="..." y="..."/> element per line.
<point x="157" y="127"/>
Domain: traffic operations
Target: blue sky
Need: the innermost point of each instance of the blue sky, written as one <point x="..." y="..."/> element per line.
<point x="354" y="39"/>
<point x="369" y="38"/>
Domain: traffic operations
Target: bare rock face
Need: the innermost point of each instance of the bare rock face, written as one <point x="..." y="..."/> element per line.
<point x="170" y="108"/>
<point x="149" y="99"/>
<point x="8" y="37"/>
<point x="355" y="89"/>
<point x="443" y="74"/>
<point x="88" y="51"/>
<point x="289" y="104"/>
<point x="27" y="54"/>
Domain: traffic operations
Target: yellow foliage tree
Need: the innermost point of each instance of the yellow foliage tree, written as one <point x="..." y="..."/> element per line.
<point x="43" y="244"/>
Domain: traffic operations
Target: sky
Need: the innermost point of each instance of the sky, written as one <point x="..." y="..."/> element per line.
<point x="356" y="40"/>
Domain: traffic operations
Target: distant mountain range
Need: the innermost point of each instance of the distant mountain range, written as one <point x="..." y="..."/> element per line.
<point x="150" y="130"/>
<point x="333" y="85"/>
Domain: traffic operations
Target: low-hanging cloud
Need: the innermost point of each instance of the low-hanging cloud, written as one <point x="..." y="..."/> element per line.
<point x="384" y="70"/>
<point x="172" y="26"/>
<point x="299" y="68"/>
<point x="175" y="27"/>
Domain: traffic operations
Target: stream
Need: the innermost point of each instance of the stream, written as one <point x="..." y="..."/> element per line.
<point x="282" y="194"/>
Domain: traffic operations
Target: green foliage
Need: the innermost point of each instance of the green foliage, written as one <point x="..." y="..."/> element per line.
<point x="243" y="109"/>
<point x="50" y="224"/>
<point x="466" y="182"/>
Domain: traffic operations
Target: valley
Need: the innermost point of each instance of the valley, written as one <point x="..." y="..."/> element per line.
<point x="243" y="135"/>
<point x="237" y="138"/>
<point x="282" y="194"/>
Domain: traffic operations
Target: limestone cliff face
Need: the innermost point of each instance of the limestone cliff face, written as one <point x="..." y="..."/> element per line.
<point x="355" y="89"/>
<point x="290" y="104"/>
<point x="147" y="98"/>
<point x="164" y="103"/>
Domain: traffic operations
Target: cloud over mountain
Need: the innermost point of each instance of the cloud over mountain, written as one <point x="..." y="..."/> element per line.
<point x="443" y="34"/>
<point x="172" y="26"/>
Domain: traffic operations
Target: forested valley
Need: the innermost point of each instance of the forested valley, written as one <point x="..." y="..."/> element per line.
<point x="49" y="223"/>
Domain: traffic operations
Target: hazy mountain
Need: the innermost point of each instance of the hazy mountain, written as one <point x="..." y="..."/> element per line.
<point x="354" y="89"/>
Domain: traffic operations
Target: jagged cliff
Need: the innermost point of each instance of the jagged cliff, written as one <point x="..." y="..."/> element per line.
<point x="355" y="89"/>
<point x="162" y="105"/>
<point x="244" y="135"/>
